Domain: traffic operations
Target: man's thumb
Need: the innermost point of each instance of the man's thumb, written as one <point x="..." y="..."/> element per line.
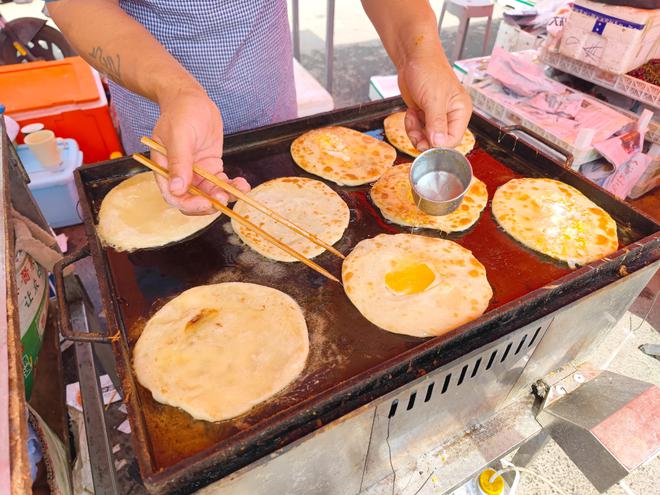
<point x="435" y="116"/>
<point x="179" y="165"/>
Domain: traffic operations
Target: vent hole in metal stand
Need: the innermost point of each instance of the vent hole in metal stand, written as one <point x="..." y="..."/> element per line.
<point x="445" y="385"/>
<point x="393" y="407"/>
<point x="522" y="341"/>
<point x="492" y="358"/>
<point x="476" y="368"/>
<point x="429" y="392"/>
<point x="411" y="401"/>
<point x="462" y="377"/>
<point x="536" y="334"/>
<point x="506" y="352"/>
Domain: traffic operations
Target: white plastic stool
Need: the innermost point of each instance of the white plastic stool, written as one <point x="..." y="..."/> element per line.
<point x="466" y="10"/>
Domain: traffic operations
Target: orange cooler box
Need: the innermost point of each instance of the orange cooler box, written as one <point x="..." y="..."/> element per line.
<point x="67" y="97"/>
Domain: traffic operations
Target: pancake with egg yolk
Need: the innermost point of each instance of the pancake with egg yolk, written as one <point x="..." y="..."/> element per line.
<point x="395" y="131"/>
<point x="392" y="194"/>
<point x="555" y="219"/>
<point x="415" y="285"/>
<point x="342" y="155"/>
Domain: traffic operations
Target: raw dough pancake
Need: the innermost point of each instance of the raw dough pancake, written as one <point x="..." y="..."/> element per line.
<point x="342" y="155"/>
<point x="395" y="131"/>
<point x="308" y="203"/>
<point x="555" y="219"/>
<point x="216" y="351"/>
<point x="392" y="194"/>
<point x="415" y="285"/>
<point x="134" y="215"/>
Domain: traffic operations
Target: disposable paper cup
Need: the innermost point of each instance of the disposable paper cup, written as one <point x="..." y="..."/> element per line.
<point x="43" y="145"/>
<point x="30" y="128"/>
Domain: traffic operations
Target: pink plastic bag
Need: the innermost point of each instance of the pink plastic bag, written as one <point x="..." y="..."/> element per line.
<point x="619" y="149"/>
<point x="520" y="75"/>
<point x="622" y="181"/>
<point x="567" y="105"/>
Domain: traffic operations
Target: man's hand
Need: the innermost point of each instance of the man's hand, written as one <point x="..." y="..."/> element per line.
<point x="439" y="108"/>
<point x="190" y="127"/>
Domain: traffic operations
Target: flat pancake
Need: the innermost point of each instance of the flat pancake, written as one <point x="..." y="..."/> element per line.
<point x="342" y="155"/>
<point x="395" y="131"/>
<point x="308" y="203"/>
<point x="555" y="219"/>
<point x="415" y="285"/>
<point x="134" y="215"/>
<point x="216" y="351"/>
<point x="392" y="194"/>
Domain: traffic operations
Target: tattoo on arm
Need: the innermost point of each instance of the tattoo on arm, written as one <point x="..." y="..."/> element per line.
<point x="110" y="64"/>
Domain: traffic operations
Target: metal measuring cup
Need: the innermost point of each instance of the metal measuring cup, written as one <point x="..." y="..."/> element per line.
<point x="439" y="178"/>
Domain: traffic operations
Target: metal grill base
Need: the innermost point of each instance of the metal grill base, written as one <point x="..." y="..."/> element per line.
<point x="362" y="449"/>
<point x="450" y="423"/>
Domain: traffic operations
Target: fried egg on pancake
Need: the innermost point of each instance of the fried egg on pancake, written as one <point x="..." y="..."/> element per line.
<point x="555" y="219"/>
<point x="392" y="194"/>
<point x="395" y="131"/>
<point x="342" y="155"/>
<point x="308" y="203"/>
<point x="415" y="285"/>
<point x="134" y="215"/>
<point x="216" y="351"/>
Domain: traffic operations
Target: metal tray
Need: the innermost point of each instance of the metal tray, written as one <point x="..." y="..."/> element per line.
<point x="351" y="361"/>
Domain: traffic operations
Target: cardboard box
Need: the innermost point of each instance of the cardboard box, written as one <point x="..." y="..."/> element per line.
<point x="381" y="87"/>
<point x="471" y="70"/>
<point x="615" y="39"/>
<point x="512" y="38"/>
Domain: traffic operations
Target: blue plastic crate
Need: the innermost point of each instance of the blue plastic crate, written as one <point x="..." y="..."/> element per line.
<point x="55" y="191"/>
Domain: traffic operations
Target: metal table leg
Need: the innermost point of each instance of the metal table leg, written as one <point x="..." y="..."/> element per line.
<point x="98" y="443"/>
<point x="329" y="44"/>
<point x="295" y="28"/>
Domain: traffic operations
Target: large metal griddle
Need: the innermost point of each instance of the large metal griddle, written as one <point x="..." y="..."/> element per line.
<point x="351" y="362"/>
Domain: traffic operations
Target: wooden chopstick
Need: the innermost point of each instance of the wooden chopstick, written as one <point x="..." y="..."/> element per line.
<point x="249" y="200"/>
<point x="231" y="214"/>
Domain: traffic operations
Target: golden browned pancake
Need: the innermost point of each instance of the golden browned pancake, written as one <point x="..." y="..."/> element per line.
<point x="134" y="215"/>
<point x="415" y="285"/>
<point x="395" y="131"/>
<point x="216" y="351"/>
<point x="555" y="219"/>
<point x="308" y="203"/>
<point x="392" y="194"/>
<point x="342" y="155"/>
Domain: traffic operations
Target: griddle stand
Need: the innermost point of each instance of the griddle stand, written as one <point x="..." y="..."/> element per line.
<point x="605" y="422"/>
<point x="447" y="425"/>
<point x="457" y="408"/>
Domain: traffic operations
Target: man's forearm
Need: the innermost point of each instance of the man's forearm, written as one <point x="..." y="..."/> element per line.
<point x="407" y="28"/>
<point x="117" y="45"/>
